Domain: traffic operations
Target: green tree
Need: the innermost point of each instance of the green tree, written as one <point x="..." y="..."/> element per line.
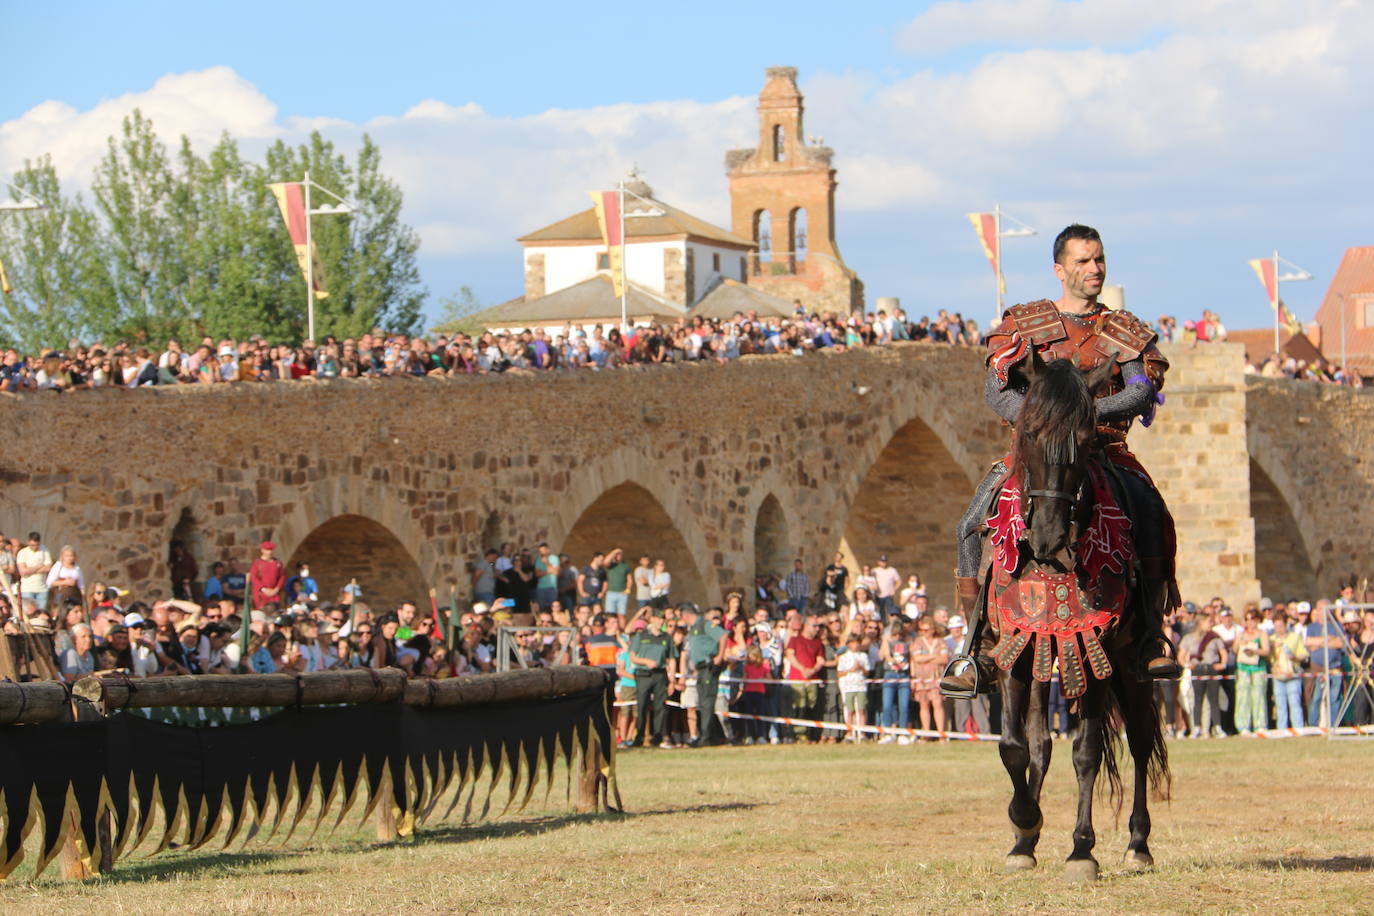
<point x="456" y="312"/>
<point x="60" y="287"/>
<point x="369" y="255"/>
<point x="179" y="244"/>
<point x="135" y="194"/>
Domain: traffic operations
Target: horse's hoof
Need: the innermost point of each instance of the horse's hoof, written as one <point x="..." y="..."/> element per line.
<point x="1135" y="860"/>
<point x="1080" y="870"/>
<point x="1017" y="863"/>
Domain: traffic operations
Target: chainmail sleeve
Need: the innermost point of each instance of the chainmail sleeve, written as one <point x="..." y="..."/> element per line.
<point x="1006" y="402"/>
<point x="1133" y="400"/>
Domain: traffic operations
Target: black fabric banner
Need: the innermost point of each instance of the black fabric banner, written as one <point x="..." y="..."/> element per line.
<point x="189" y="785"/>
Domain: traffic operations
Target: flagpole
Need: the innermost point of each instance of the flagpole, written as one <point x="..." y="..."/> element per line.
<point x="997" y="253"/>
<point x="624" y="287"/>
<point x="309" y="265"/>
<point x="1277" y="352"/>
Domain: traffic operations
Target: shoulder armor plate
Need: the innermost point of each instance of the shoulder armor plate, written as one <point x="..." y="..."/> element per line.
<point x="1125" y="334"/>
<point x="1038" y="322"/>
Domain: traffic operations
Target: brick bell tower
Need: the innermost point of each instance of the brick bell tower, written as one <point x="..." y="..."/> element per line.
<point x="782" y="195"/>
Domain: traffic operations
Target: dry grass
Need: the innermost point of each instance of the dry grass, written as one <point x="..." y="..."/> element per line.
<point x="1254" y="826"/>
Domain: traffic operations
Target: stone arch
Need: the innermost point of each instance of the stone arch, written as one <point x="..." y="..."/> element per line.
<point x="763" y="235"/>
<point x="345" y="495"/>
<point x="912" y="491"/>
<point x="1282" y="560"/>
<point x="797" y="234"/>
<point x="348" y="547"/>
<point x="625" y="500"/>
<point x="1281" y="522"/>
<point x="773" y="552"/>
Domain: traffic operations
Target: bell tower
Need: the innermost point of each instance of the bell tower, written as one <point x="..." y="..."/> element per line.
<point x="782" y="195"/>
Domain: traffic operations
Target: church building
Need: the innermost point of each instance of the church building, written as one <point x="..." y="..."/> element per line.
<point x="780" y="248"/>
<point x="782" y="196"/>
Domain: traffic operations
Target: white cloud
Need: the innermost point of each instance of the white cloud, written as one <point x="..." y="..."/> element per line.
<point x="200" y="105"/>
<point x="1243" y="119"/>
<point x="1059" y="23"/>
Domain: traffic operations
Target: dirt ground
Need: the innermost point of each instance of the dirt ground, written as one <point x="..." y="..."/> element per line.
<point x="1254" y="826"/>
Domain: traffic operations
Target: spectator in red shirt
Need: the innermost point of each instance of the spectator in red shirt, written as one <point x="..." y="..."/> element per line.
<point x="805" y="655"/>
<point x="266" y="577"/>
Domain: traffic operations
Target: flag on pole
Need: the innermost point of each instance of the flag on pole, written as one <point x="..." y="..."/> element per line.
<point x="985" y="224"/>
<point x="291" y="200"/>
<point x="608" y="218"/>
<point x="1264" y="268"/>
<point x="5" y="286"/>
<point x="1289" y="320"/>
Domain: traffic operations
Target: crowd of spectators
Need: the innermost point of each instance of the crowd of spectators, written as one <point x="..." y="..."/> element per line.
<point x="379" y="354"/>
<point x="1209" y="329"/>
<point x="854" y="645"/>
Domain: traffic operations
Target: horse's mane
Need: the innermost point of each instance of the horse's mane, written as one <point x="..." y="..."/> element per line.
<point x="1058" y="412"/>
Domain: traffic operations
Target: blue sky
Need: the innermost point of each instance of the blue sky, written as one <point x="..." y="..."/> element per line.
<point x="1195" y="134"/>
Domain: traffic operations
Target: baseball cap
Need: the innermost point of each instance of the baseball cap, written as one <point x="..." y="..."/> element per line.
<point x="112" y="592"/>
<point x="116" y="629"/>
<point x="481" y="608"/>
<point x="1225" y="611"/>
<point x="226" y="350"/>
<point x="1350" y="615"/>
<point x="956" y="621"/>
<point x="1190" y="607"/>
<point x="285" y="620"/>
<point x="1265" y="604"/>
<point x="637" y="624"/>
<point x="688" y="607"/>
<point x="258" y="617"/>
<point x="1304" y="607"/>
<point x="882" y="559"/>
<point x="135" y="620"/>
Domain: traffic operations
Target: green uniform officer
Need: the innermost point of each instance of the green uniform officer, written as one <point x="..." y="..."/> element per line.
<point x="703" y="656"/>
<point x="651" y="650"/>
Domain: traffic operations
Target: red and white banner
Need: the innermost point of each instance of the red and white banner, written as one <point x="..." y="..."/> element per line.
<point x="985" y="224"/>
<point x="291" y="199"/>
<point x="608" y="217"/>
<point x="1267" y="271"/>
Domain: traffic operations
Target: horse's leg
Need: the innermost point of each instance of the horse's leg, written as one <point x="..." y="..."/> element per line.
<point x="1087" y="760"/>
<point x="1038" y="736"/>
<point x="1142" y="734"/>
<point x="1024" y="811"/>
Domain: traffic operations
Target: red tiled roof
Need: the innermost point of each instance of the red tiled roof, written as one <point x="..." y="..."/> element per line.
<point x="1259" y="343"/>
<point x="1352" y="284"/>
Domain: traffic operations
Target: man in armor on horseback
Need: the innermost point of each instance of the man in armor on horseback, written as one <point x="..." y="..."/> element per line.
<point x="1080" y="329"/>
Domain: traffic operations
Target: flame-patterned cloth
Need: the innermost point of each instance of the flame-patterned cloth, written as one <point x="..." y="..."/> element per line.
<point x="1104" y="545"/>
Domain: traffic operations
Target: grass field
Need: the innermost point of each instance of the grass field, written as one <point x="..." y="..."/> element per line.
<point x="1254" y="826"/>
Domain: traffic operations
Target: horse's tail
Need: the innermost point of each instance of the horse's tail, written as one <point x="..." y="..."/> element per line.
<point x="1121" y="714"/>
<point x="1110" y="723"/>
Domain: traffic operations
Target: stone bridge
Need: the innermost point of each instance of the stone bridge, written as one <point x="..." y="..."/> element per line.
<point x="719" y="469"/>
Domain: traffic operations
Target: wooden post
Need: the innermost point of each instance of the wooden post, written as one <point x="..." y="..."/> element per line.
<point x="589" y="784"/>
<point x="33" y="702"/>
<point x="383" y="816"/>
<point x="101" y="859"/>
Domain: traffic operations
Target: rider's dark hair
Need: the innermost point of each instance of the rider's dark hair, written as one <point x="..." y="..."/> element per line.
<point x="1075" y="231"/>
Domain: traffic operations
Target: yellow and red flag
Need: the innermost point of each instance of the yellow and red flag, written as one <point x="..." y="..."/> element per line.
<point x="985" y="224"/>
<point x="608" y="218"/>
<point x="5" y="286"/>
<point x="1268" y="274"/>
<point x="1289" y="320"/>
<point x="291" y="199"/>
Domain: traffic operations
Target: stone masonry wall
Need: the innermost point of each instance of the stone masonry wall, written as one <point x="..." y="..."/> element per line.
<point x="1196" y="453"/>
<point x="448" y="466"/>
<point x="1315" y="443"/>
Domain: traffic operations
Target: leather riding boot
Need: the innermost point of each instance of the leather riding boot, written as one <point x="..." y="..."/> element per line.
<point x="971" y="672"/>
<point x="1156" y="649"/>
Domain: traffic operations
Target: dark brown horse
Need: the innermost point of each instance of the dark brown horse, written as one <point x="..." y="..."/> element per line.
<point x="1062" y="478"/>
